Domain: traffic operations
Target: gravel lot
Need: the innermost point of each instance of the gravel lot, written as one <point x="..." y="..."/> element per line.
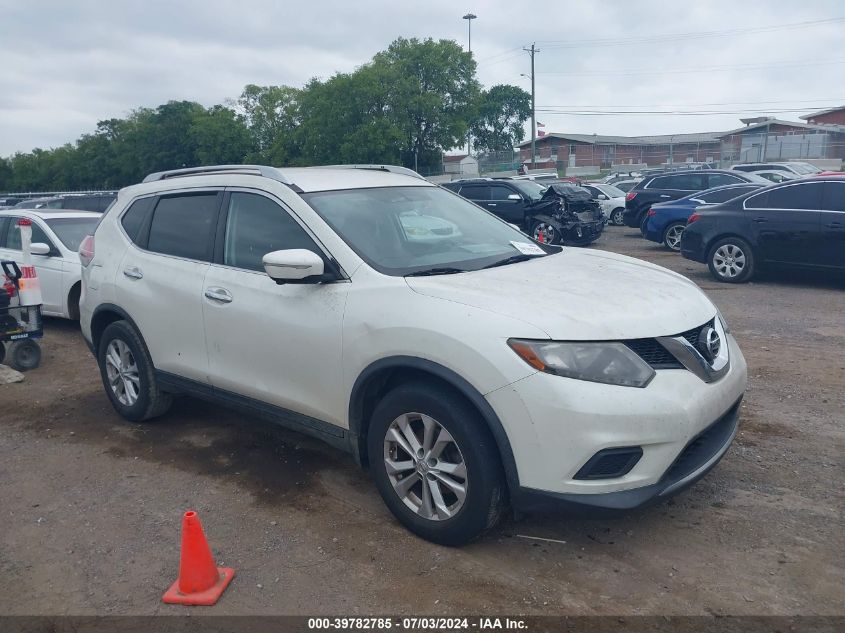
<point x="90" y="506"/>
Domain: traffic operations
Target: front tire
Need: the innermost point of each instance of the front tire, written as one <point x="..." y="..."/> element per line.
<point x="550" y="234"/>
<point x="435" y="463"/>
<point x="128" y="374"/>
<point x="731" y="260"/>
<point x="672" y="236"/>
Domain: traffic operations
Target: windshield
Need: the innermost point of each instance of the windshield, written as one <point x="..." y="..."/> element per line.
<point x="71" y="231"/>
<point x="530" y="188"/>
<point x="610" y="191"/>
<point x="403" y="230"/>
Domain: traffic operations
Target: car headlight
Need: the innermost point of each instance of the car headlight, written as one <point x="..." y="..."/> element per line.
<point x="610" y="363"/>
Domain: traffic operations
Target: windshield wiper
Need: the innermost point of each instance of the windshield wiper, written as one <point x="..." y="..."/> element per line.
<point x="513" y="259"/>
<point x="428" y="272"/>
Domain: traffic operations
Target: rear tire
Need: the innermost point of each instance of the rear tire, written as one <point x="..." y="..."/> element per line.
<point x="731" y="260"/>
<point x="616" y="218"/>
<point x="456" y="490"/>
<point x="672" y="236"/>
<point x="128" y="374"/>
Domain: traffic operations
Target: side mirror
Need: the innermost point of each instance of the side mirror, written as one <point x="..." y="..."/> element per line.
<point x="39" y="248"/>
<point x="296" y="265"/>
<point x="514" y="196"/>
<point x="601" y="196"/>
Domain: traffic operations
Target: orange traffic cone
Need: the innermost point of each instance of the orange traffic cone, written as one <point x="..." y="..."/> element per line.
<point x="200" y="581"/>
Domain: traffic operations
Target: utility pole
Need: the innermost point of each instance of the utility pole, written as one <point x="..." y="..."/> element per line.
<point x="531" y="51"/>
<point x="469" y="17"/>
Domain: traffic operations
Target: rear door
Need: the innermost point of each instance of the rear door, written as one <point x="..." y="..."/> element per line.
<point x="160" y="280"/>
<point x="785" y="222"/>
<point x="477" y="193"/>
<point x="833" y="224"/>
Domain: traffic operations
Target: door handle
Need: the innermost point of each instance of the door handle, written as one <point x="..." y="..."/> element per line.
<point x="133" y="272"/>
<point x="760" y="220"/>
<point x="218" y="294"/>
<point x="665" y="195"/>
<point x="491" y="204"/>
<point x="834" y="225"/>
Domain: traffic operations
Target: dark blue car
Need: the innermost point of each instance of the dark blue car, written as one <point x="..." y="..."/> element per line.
<point x="665" y="221"/>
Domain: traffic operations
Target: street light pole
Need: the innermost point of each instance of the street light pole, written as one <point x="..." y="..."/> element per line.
<point x="469" y="17"/>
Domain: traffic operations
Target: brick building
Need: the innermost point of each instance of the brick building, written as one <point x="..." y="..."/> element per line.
<point x="760" y="139"/>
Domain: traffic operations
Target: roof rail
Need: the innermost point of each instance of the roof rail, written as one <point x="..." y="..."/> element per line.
<point x="395" y="169"/>
<point x="252" y="170"/>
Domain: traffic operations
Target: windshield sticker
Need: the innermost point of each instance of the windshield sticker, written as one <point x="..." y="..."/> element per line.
<point x="528" y="249"/>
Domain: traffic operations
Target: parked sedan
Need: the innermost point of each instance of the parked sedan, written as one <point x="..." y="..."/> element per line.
<point x="665" y="221"/>
<point x="795" y="224"/>
<point x="56" y="235"/>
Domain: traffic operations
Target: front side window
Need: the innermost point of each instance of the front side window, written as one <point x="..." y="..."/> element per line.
<point x="834" y="196"/>
<point x="183" y="226"/>
<point x="13" y="235"/>
<point x="717" y="180"/>
<point x="723" y="195"/>
<point x="529" y="188"/>
<point x="498" y="192"/>
<point x="403" y="230"/>
<point x="255" y="226"/>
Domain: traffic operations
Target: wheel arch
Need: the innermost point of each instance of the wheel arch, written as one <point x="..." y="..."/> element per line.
<point x="103" y="316"/>
<point x="73" y="296"/>
<point x="725" y="234"/>
<point x="382" y="375"/>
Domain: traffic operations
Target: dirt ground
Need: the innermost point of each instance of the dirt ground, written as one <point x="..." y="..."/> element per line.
<point x="90" y="505"/>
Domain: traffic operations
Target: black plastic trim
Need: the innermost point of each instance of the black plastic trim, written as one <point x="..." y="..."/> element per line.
<point x="332" y="434"/>
<point x="586" y="471"/>
<point x="356" y="407"/>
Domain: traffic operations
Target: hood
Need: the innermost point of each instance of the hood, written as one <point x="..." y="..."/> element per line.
<point x="580" y="294"/>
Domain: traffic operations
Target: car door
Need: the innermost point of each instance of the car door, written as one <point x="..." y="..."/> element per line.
<point x="785" y="222"/>
<point x="160" y="279"/>
<point x="47" y="267"/>
<point x="279" y="344"/>
<point x="477" y="193"/>
<point x="507" y="203"/>
<point x="833" y="224"/>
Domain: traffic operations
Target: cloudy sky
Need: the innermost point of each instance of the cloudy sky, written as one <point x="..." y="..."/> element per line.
<point x="64" y="65"/>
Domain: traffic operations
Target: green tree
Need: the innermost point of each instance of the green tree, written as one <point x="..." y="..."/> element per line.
<point x="502" y="112"/>
<point x="219" y="136"/>
<point x="432" y="92"/>
<point x="271" y="114"/>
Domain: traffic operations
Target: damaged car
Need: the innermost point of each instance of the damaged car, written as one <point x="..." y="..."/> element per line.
<point x="560" y="213"/>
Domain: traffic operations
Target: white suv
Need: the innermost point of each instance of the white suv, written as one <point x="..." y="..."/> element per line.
<point x="464" y="365"/>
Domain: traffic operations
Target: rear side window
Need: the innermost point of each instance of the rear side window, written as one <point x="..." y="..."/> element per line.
<point x="183" y="226"/>
<point x="686" y="182"/>
<point x="834" y="196"/>
<point x="724" y="195"/>
<point x="801" y="196"/>
<point x="136" y="217"/>
<point x="255" y="226"/>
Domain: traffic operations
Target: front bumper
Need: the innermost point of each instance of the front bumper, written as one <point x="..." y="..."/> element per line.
<point x="697" y="459"/>
<point x="556" y="425"/>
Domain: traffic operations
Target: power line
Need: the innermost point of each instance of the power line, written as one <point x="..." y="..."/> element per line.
<point x="700" y="69"/>
<point x="685" y="36"/>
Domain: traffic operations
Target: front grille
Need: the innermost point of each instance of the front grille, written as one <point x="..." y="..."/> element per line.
<point x="654" y="353"/>
<point x="703" y="446"/>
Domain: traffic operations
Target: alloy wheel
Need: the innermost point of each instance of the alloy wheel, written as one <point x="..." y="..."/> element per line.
<point x="729" y="260"/>
<point x="616" y="218"/>
<point x="673" y="237"/>
<point x="122" y="372"/>
<point x="425" y="466"/>
<point x="548" y="231"/>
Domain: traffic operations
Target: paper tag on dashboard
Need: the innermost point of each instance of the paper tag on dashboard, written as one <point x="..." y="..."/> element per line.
<point x="528" y="249"/>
